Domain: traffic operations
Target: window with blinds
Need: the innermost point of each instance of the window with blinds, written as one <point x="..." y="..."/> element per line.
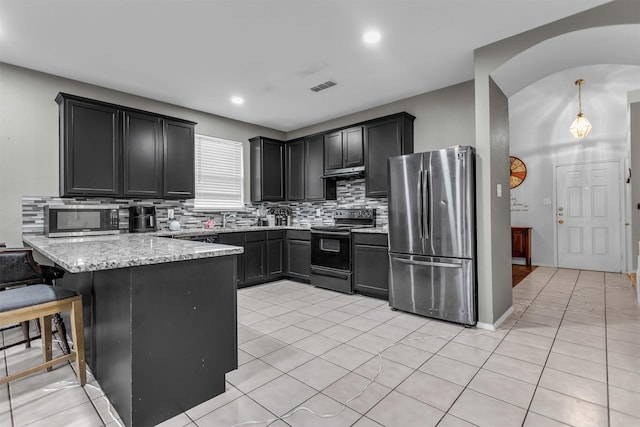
<point x="219" y="174"/>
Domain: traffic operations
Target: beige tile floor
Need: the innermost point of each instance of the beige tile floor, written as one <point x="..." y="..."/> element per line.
<point x="568" y="355"/>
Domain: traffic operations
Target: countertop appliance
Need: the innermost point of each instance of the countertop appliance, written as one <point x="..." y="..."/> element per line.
<point x="142" y="219"/>
<point x="432" y="234"/>
<point x="331" y="249"/>
<point x="81" y="220"/>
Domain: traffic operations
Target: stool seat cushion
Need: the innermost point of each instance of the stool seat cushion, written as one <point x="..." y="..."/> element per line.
<point x="26" y="296"/>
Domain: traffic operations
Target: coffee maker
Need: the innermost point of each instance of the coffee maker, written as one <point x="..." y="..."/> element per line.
<point x="142" y="219"/>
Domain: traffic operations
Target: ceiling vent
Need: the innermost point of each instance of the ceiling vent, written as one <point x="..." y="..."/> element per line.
<point x="323" y="86"/>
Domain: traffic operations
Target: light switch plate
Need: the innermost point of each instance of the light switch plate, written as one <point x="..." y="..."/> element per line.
<point x="499" y="190"/>
<point x="170" y="213"/>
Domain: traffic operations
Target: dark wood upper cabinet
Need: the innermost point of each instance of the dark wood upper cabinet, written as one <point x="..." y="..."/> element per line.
<point x="267" y="160"/>
<point x="308" y="159"/>
<point x="296" y="182"/>
<point x="142" y="155"/>
<point x="179" y="166"/>
<point x="343" y="149"/>
<point x="352" y="148"/>
<point x="387" y="137"/>
<point x="115" y="151"/>
<point x="305" y="167"/>
<point x="89" y="148"/>
<point x="316" y="188"/>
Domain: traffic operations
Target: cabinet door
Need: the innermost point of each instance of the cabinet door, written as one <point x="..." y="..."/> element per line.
<point x="298" y="259"/>
<point x="179" y="168"/>
<point x="274" y="258"/>
<point x="295" y="170"/>
<point x="382" y="140"/>
<point x="316" y="188"/>
<point x="142" y="155"/>
<point x="371" y="270"/>
<point x="90" y="137"/>
<point x="255" y="261"/>
<point x="235" y="239"/>
<point x="352" y="151"/>
<point x="333" y="151"/>
<point x="267" y="170"/>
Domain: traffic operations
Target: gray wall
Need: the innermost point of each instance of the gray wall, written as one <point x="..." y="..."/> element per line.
<point x="29" y="135"/>
<point x="444" y="117"/>
<point x="501" y="298"/>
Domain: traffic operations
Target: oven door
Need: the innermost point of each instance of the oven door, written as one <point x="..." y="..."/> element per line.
<point x="331" y="249"/>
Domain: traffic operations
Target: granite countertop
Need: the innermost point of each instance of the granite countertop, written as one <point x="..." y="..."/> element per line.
<point x="83" y="254"/>
<point x="186" y="232"/>
<point x="372" y="230"/>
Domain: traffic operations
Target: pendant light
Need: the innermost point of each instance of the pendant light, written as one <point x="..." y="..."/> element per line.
<point x="580" y="127"/>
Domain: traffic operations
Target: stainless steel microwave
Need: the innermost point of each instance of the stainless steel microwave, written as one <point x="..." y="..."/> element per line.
<point x="81" y="220"/>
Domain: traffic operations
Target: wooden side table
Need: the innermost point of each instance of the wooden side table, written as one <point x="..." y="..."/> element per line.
<point x="521" y="243"/>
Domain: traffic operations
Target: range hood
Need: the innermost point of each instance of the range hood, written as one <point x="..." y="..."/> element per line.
<point x="358" y="171"/>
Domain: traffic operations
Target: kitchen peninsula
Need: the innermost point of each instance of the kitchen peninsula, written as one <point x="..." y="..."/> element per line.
<point x="160" y="318"/>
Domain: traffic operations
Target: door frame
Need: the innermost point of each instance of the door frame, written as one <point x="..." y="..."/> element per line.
<point x="623" y="212"/>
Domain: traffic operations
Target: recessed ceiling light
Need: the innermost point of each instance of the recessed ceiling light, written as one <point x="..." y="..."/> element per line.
<point x="238" y="100"/>
<point x="371" y="37"/>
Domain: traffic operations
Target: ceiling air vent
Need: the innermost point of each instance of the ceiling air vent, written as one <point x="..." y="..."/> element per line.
<point x="323" y="86"/>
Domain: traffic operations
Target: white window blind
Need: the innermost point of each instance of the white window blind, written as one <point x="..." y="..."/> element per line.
<point x="219" y="174"/>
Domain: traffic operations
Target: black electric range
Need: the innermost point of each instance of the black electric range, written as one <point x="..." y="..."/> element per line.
<point x="331" y="248"/>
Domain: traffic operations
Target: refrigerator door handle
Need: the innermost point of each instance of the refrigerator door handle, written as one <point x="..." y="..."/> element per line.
<point x="428" y="263"/>
<point x="426" y="205"/>
<point x="421" y="198"/>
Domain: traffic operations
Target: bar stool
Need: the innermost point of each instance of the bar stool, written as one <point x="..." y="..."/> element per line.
<point x="41" y="302"/>
<point x="18" y="268"/>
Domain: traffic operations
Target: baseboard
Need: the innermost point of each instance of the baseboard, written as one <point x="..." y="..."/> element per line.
<point x="496" y="325"/>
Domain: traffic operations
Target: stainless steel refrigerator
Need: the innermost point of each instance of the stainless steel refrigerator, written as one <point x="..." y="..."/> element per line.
<point x="432" y="234"/>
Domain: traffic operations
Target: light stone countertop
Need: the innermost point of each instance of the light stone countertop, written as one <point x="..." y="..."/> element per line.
<point x="372" y="230"/>
<point x="83" y="254"/>
<point x="186" y="232"/>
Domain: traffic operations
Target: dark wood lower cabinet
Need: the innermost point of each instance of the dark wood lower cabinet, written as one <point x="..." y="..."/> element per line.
<point x="263" y="257"/>
<point x="298" y="255"/>
<point x="275" y="254"/>
<point x="371" y="265"/>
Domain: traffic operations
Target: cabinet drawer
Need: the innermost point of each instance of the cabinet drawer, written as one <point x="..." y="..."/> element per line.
<point x="255" y="236"/>
<point x="370" y="239"/>
<point x="231" y="238"/>
<point x="299" y="235"/>
<point x="275" y="234"/>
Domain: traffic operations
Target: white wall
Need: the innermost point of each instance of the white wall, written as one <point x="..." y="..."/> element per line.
<point x="539" y="119"/>
<point x="29" y="135"/>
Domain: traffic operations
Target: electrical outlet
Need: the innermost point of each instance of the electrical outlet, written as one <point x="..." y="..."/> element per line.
<point x="318" y="212"/>
<point x="170" y="213"/>
<point x="499" y="190"/>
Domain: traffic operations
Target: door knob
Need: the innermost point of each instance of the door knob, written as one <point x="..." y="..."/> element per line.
<point x="561" y="222"/>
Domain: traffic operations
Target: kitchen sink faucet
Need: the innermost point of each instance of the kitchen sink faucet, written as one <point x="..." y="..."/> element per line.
<point x="226" y="216"/>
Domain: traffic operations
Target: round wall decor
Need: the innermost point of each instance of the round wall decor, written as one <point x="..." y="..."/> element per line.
<point x="518" y="171"/>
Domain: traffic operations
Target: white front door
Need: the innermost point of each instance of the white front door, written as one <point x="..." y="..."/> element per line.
<point x="588" y="216"/>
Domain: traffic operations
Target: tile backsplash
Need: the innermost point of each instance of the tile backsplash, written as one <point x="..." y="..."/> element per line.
<point x="350" y="194"/>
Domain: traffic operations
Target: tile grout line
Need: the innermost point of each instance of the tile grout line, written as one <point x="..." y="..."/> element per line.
<point x="606" y="348"/>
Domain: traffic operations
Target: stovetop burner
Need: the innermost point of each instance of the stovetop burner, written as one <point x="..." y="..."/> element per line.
<point x="347" y="219"/>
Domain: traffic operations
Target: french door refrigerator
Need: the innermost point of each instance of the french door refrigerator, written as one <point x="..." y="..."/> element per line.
<point x="432" y="234"/>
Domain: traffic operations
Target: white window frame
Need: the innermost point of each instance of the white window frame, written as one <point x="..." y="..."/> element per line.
<point x="219" y="174"/>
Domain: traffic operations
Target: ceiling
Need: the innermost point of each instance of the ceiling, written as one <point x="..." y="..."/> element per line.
<point x="198" y="54"/>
